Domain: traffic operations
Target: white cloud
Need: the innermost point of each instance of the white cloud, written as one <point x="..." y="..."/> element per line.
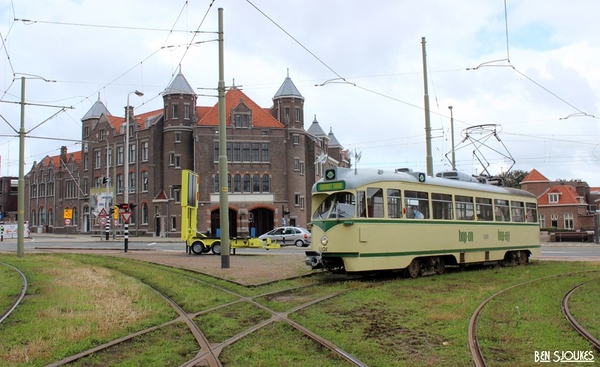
<point x="377" y="46"/>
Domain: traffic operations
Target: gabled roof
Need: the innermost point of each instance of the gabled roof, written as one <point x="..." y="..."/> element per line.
<point x="96" y="111"/>
<point x="260" y="117"/>
<point x="179" y="85"/>
<point x="566" y="195"/>
<point x="55" y="160"/>
<point x="535" y="176"/>
<point x="315" y="129"/>
<point x="288" y="89"/>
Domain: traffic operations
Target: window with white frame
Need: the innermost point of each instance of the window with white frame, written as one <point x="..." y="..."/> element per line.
<point x="120" y="155"/>
<point x="554" y="220"/>
<point x="542" y="220"/>
<point x="553" y="198"/>
<point x="186" y="111"/>
<point x="132" y="182"/>
<point x="132" y="153"/>
<point x="97" y="158"/>
<point x="144" y="151"/>
<point x="568" y="220"/>
<point x="144" y="181"/>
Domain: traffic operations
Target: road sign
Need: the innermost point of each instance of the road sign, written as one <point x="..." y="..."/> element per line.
<point x="103" y="213"/>
<point x="126" y="216"/>
<point x="68" y="214"/>
<point x="67" y="222"/>
<point x="102" y="221"/>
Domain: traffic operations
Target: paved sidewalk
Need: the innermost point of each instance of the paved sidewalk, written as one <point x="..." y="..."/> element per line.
<point x="52" y="237"/>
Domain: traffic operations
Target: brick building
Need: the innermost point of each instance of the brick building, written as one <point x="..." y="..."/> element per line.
<point x="271" y="165"/>
<point x="562" y="204"/>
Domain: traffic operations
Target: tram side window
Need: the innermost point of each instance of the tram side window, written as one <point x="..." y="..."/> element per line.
<point x="464" y="207"/>
<point x="361" y="205"/>
<point x="517" y="211"/>
<point x="441" y="205"/>
<point x="484" y="209"/>
<point x="394" y="203"/>
<point x="531" y="212"/>
<point x="502" y="210"/>
<point x="416" y="202"/>
<point x="375" y="202"/>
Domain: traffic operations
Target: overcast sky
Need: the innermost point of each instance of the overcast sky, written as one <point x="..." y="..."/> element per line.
<point x="534" y="79"/>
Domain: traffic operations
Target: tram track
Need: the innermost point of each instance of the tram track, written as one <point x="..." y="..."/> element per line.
<point x="474" y="348"/>
<point x="208" y="354"/>
<point x="19" y="297"/>
<point x="576" y="325"/>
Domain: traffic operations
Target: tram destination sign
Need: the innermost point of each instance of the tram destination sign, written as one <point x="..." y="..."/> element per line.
<point x="331" y="186"/>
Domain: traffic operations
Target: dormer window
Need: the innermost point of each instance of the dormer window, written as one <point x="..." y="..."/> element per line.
<point x="241" y="120"/>
<point x="553" y="198"/>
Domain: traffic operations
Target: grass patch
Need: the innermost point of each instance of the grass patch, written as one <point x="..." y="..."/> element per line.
<point x="10" y="287"/>
<point x="226" y="322"/>
<point x="76" y="302"/>
<point x="172" y="345"/>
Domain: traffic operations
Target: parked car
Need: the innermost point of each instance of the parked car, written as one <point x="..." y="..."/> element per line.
<point x="288" y="236"/>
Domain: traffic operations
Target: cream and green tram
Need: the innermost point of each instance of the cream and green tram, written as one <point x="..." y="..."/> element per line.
<point x="373" y="220"/>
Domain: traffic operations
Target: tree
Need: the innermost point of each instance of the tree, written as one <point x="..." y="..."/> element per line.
<point x="513" y="178"/>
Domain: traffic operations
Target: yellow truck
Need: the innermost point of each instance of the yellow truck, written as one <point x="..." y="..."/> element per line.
<point x="196" y="242"/>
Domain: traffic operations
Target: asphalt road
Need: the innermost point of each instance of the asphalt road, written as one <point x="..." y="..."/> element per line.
<point x="550" y="251"/>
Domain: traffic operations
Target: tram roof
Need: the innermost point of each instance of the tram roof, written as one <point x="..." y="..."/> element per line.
<point x="366" y="176"/>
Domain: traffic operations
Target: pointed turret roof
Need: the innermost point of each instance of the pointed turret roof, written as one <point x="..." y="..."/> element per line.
<point x="179" y="85"/>
<point x="96" y="111"/>
<point x="333" y="142"/>
<point x="315" y="129"/>
<point x="288" y="89"/>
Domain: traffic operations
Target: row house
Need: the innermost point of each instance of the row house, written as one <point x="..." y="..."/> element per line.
<point x="563" y="204"/>
<point x="273" y="162"/>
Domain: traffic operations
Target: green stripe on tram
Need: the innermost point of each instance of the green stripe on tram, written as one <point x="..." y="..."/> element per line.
<point x="430" y="252"/>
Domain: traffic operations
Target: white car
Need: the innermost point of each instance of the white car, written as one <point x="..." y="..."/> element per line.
<point x="288" y="236"/>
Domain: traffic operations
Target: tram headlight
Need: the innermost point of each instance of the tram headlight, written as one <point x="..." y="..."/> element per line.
<point x="324" y="240"/>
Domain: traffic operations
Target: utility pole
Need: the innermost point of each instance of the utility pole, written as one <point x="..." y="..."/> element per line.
<point x="452" y="138"/>
<point x="223" y="188"/>
<point x="427" y="113"/>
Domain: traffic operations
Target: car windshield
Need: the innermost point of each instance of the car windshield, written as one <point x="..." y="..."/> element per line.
<point x="336" y="206"/>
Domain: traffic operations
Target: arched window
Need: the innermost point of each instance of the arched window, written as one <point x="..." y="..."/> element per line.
<point x="237" y="183"/>
<point x="33" y="218"/>
<point x="256" y="183"/>
<point x="75" y="219"/>
<point x="246" y="183"/>
<point x="228" y="183"/>
<point x="265" y="183"/>
<point x="42" y="216"/>
<point x="50" y="217"/>
<point x="144" y="213"/>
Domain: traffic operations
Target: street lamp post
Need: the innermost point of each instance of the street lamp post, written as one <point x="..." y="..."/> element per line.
<point x="452" y="137"/>
<point x="126" y="168"/>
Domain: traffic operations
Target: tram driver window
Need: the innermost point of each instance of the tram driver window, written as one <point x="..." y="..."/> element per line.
<point x="375" y="202"/>
<point x="361" y="206"/>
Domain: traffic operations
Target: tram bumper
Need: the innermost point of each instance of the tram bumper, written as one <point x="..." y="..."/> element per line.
<point x="313" y="259"/>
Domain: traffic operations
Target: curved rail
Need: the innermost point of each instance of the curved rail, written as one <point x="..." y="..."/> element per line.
<point x="19" y="297"/>
<point x="476" y="354"/>
<point x="580" y="329"/>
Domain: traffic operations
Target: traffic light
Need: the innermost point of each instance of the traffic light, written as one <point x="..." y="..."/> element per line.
<point x="123" y="206"/>
<point x="116" y="212"/>
<point x="132" y="206"/>
<point x="104" y="180"/>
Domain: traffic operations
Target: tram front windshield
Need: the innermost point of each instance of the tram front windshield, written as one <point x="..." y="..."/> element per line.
<point x="336" y="206"/>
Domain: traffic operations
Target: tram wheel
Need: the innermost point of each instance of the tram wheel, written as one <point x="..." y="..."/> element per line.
<point x="414" y="269"/>
<point x="523" y="257"/>
<point x="440" y="265"/>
